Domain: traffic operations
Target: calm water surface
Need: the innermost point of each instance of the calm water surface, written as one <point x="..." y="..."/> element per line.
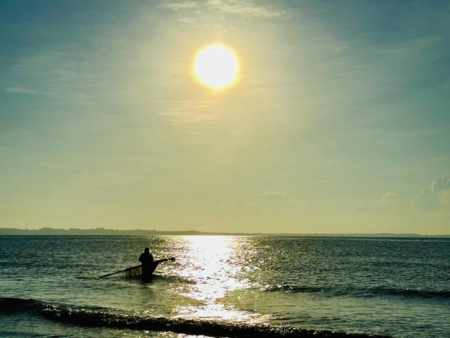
<point x="396" y="287"/>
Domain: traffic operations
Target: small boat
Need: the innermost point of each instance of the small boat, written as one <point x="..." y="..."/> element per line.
<point x="136" y="271"/>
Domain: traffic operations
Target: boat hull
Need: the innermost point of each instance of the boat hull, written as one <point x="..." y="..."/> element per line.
<point x="137" y="271"/>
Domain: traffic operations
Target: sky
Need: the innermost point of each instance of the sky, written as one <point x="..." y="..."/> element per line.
<point x="338" y="121"/>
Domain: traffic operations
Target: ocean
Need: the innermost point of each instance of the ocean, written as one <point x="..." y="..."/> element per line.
<point x="227" y="286"/>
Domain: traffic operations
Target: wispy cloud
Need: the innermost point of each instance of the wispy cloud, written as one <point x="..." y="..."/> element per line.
<point x="20" y="90"/>
<point x="246" y="8"/>
<point x="187" y="20"/>
<point x="176" y="6"/>
<point x="437" y="196"/>
<point x="192" y="111"/>
<point x="389" y="201"/>
<point x="276" y="200"/>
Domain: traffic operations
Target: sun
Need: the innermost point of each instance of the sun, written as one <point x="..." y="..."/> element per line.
<point x="216" y="66"/>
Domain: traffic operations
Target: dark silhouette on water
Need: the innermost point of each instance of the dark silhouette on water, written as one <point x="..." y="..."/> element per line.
<point x="145" y="270"/>
<point x="146" y="258"/>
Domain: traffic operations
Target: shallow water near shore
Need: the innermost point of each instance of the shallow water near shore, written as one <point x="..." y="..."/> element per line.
<point x="224" y="286"/>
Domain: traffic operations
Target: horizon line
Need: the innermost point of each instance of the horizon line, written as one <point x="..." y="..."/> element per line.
<point x="4" y="231"/>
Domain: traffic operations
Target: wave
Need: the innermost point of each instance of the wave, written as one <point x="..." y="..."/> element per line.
<point x="360" y="292"/>
<point x="20" y="305"/>
<point x="185" y="326"/>
<point x="413" y="293"/>
<point x="97" y="318"/>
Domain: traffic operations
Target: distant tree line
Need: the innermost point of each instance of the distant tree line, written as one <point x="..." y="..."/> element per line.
<point x="140" y="232"/>
<point x="92" y="232"/>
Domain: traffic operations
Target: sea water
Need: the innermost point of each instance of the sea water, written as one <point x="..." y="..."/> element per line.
<point x="224" y="286"/>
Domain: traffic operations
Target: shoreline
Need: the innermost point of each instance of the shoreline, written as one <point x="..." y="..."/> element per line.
<point x="140" y="232"/>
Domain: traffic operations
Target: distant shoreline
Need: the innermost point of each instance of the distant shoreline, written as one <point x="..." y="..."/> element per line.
<point x="139" y="232"/>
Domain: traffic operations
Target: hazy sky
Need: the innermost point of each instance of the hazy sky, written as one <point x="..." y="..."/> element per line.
<point x="339" y="121"/>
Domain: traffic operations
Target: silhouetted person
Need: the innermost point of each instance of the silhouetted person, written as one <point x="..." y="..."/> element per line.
<point x="146" y="259"/>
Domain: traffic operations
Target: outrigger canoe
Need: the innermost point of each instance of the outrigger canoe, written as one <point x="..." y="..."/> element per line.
<point x="136" y="271"/>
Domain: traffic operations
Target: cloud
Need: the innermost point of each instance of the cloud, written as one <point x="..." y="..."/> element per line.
<point x="192" y="111"/>
<point x="275" y="200"/>
<point x="244" y="8"/>
<point x="20" y="90"/>
<point x="437" y="196"/>
<point x="387" y="201"/>
<point x="176" y="6"/>
<point x="187" y="20"/>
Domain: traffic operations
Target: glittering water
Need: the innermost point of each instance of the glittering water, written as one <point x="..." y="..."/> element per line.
<point x="396" y="287"/>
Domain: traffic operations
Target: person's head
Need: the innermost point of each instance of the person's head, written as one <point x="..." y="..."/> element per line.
<point x="147" y="250"/>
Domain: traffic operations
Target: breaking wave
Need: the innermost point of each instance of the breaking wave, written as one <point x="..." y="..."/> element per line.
<point x="360" y="292"/>
<point x="184" y="326"/>
<point x="95" y="318"/>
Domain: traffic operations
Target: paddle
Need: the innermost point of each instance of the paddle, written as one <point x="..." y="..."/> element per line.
<point x="134" y="267"/>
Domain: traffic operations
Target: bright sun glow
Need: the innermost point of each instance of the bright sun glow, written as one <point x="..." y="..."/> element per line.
<point x="216" y="66"/>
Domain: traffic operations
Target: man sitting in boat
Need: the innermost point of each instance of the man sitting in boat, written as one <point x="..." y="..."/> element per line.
<point x="146" y="258"/>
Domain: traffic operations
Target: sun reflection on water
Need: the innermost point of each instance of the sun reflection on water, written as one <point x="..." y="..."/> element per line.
<point x="211" y="266"/>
